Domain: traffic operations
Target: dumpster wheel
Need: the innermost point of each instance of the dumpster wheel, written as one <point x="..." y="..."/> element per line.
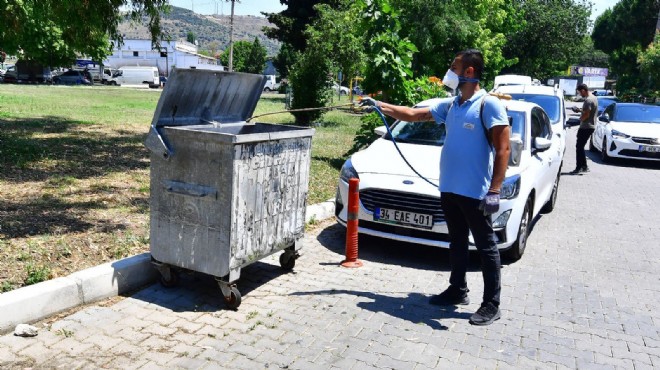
<point x="172" y="281"/>
<point x="288" y="260"/>
<point x="234" y="299"/>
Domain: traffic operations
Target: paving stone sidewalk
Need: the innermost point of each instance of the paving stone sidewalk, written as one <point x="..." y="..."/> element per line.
<point x="584" y="295"/>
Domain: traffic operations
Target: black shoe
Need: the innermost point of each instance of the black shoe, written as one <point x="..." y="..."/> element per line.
<point x="584" y="169"/>
<point x="486" y="314"/>
<point x="451" y="296"/>
<point x="576" y="171"/>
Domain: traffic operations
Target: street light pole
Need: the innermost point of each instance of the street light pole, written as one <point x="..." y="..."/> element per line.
<point x="231" y="38"/>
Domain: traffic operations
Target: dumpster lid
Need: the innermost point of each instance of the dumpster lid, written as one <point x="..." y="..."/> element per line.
<point x="198" y="96"/>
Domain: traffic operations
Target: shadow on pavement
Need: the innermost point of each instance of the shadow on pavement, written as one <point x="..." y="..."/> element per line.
<point x="393" y="252"/>
<point x="198" y="292"/>
<point x="414" y="308"/>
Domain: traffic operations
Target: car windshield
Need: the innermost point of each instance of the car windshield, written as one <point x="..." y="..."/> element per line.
<point x="550" y="104"/>
<point x="606" y="102"/>
<point x="637" y="113"/>
<point x="424" y="133"/>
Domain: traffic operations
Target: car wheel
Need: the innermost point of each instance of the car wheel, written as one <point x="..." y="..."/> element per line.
<point x="603" y="152"/>
<point x="113" y="83"/>
<point x="266" y="89"/>
<point x="518" y="248"/>
<point x="550" y="205"/>
<point x="592" y="147"/>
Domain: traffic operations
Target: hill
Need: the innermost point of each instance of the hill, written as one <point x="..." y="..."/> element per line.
<point x="207" y="28"/>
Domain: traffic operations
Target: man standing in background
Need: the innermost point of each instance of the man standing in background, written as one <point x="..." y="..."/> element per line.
<point x="587" y="126"/>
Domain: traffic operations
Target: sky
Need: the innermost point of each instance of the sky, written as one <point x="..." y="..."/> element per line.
<point x="600" y="6"/>
<point x="254" y="7"/>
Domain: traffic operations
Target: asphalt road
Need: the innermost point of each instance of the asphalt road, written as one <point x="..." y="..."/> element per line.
<point x="584" y="295"/>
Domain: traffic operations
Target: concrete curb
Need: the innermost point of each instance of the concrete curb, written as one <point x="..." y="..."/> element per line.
<point x="39" y="301"/>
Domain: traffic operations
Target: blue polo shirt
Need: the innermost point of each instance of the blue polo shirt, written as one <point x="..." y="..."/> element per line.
<point x="466" y="164"/>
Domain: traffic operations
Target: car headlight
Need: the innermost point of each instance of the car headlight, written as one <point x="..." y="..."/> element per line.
<point x="619" y="135"/>
<point x="348" y="172"/>
<point x="510" y="187"/>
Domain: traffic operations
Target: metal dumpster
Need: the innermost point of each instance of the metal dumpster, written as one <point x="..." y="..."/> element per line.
<point x="224" y="192"/>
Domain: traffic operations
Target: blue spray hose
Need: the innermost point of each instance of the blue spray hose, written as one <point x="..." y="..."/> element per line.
<point x="382" y="117"/>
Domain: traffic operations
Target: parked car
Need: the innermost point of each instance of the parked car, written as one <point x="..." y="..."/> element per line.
<point x="601" y="92"/>
<point x="338" y="89"/>
<point x="550" y="98"/>
<point x="628" y="130"/>
<point x="72" y="78"/>
<point x="397" y="204"/>
<point x="271" y="83"/>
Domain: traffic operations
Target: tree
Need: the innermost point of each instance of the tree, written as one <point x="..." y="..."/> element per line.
<point x="213" y="48"/>
<point x="590" y="56"/>
<point x="335" y="34"/>
<point x="241" y="51"/>
<point x="190" y="37"/>
<point x="56" y="32"/>
<point x="291" y="23"/>
<point x="390" y="55"/>
<point x="624" y="32"/>
<point x="333" y="45"/>
<point x="284" y="59"/>
<point x="290" y="27"/>
<point x="310" y="84"/>
<point x="256" y="58"/>
<point x="551" y="39"/>
<point x="441" y="28"/>
<point x="249" y="57"/>
<point x="649" y="64"/>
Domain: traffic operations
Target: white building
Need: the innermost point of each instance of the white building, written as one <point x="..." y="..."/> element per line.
<point x="180" y="54"/>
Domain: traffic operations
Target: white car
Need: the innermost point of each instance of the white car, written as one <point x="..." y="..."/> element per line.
<point x="409" y="207"/>
<point x="550" y="98"/>
<point x="628" y="130"/>
<point x="338" y="89"/>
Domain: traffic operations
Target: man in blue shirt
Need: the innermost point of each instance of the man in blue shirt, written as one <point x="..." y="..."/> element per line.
<point x="473" y="163"/>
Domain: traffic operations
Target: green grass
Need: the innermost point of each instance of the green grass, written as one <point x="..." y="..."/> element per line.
<point x="54" y="110"/>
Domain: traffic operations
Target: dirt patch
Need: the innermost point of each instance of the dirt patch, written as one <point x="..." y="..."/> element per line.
<point x="72" y="196"/>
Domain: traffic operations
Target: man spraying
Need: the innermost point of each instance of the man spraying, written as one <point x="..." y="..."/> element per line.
<point x="474" y="159"/>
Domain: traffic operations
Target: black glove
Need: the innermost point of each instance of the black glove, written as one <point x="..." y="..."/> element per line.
<point x="490" y="204"/>
<point x="368" y="104"/>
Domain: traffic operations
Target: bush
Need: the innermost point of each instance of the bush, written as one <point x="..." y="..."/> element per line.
<point x="311" y="86"/>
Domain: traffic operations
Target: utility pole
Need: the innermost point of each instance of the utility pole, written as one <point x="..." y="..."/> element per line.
<point x="231" y="38"/>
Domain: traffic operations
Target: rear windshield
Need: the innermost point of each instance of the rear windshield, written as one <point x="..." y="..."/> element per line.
<point x="639" y="113"/>
<point x="550" y="104"/>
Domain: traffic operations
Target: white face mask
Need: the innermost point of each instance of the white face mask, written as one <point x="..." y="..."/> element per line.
<point x="450" y="80"/>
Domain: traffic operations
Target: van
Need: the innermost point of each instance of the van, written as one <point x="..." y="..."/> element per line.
<point x="130" y="75"/>
<point x="271" y="84"/>
<point x="504" y="80"/>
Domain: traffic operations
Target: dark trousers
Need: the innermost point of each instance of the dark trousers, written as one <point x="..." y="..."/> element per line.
<point x="463" y="215"/>
<point x="583" y="136"/>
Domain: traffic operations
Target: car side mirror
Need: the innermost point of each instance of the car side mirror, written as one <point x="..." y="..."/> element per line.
<point x="604" y="118"/>
<point x="380" y="131"/>
<point x="541" y="144"/>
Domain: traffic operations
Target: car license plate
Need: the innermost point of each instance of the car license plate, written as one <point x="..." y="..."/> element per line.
<point x="403" y="217"/>
<point x="651" y="149"/>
